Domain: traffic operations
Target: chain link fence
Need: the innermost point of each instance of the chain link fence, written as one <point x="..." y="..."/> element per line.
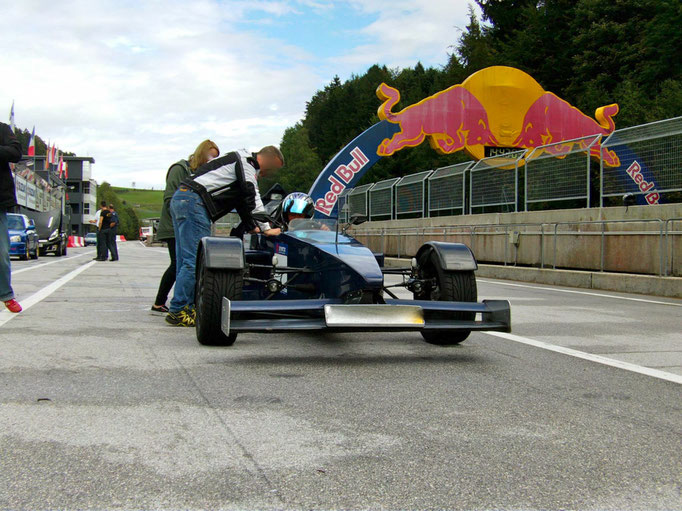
<point x="358" y="200"/>
<point x="650" y="161"/>
<point x="643" y="160"/>
<point x="559" y="171"/>
<point x="447" y="189"/>
<point x="410" y="194"/>
<point x="381" y="200"/>
<point x="493" y="181"/>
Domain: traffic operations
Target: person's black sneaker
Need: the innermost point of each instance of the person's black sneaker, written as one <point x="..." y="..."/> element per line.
<point x="160" y="308"/>
<point x="191" y="311"/>
<point x="179" y="319"/>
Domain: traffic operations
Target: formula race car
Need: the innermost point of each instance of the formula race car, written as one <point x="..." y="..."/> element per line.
<point x="315" y="276"/>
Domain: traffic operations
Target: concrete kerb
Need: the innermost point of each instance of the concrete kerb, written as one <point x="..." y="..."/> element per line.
<point x="620" y="282"/>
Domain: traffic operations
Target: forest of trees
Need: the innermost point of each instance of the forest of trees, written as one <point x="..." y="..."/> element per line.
<point x="590" y="53"/>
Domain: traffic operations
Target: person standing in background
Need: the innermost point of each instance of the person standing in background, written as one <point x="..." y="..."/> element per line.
<point x="100" y="242"/>
<point x="10" y="152"/>
<point x="205" y="152"/>
<point x="103" y="232"/>
<point x="111" y="234"/>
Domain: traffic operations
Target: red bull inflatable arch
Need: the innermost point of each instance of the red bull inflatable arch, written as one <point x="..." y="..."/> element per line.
<point x="496" y="110"/>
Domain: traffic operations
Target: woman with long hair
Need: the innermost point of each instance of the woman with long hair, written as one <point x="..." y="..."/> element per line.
<point x="205" y="152"/>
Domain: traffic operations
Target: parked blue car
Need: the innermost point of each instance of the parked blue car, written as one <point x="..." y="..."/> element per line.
<point x="22" y="236"/>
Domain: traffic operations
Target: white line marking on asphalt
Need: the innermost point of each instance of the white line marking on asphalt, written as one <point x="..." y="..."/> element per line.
<point x="648" y="371"/>
<point x="59" y="260"/>
<point x="580" y="292"/>
<point x="43" y="293"/>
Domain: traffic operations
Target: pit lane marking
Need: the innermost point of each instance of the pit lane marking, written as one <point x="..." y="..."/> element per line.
<point x="43" y="293"/>
<point x="59" y="260"/>
<point x="601" y="295"/>
<point x="648" y="371"/>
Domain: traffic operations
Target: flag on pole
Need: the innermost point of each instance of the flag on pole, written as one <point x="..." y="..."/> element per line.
<point x="61" y="166"/>
<point x="53" y="155"/>
<point x="66" y="170"/>
<point x="11" y="118"/>
<point x="47" y="156"/>
<point x="32" y="143"/>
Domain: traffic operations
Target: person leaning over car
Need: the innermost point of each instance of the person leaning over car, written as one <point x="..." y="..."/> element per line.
<point x="10" y="152"/>
<point x="205" y="152"/>
<point x="218" y="187"/>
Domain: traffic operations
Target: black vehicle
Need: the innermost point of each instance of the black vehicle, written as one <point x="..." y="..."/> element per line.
<point x="51" y="228"/>
<point x="315" y="276"/>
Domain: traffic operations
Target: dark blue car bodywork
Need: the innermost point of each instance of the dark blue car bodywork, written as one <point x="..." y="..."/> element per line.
<point x="327" y="280"/>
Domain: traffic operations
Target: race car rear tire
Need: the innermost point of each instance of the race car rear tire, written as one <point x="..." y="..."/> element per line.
<point x="212" y="286"/>
<point x="452" y="286"/>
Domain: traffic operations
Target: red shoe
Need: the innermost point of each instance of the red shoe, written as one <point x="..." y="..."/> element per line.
<point x="13" y="306"/>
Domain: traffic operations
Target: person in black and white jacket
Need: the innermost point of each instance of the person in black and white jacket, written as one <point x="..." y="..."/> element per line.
<point x="217" y="187"/>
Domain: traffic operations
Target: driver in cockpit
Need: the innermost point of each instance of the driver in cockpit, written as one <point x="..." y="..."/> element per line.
<point x="299" y="206"/>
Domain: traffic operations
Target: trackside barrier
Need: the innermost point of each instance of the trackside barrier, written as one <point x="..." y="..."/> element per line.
<point x="75" y="242"/>
<point x="626" y="247"/>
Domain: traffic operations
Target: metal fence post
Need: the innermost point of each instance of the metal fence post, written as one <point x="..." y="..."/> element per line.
<point x="601" y="176"/>
<point x="554" y="258"/>
<point x="601" y="254"/>
<point x="542" y="245"/>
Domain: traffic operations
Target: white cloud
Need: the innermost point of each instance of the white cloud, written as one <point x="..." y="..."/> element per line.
<point x="405" y="29"/>
<point x="138" y="85"/>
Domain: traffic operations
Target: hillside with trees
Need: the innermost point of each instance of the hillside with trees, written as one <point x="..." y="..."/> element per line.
<point x="590" y="53"/>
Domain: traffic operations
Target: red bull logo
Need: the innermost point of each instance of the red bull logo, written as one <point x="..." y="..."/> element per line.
<point x="497" y="107"/>
<point x="635" y="173"/>
<point x="451" y="120"/>
<point x="551" y="119"/>
<point x="339" y="180"/>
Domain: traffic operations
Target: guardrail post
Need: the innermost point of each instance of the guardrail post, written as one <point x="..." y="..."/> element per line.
<point x="542" y="245"/>
<point x="601" y="251"/>
<point x="554" y="257"/>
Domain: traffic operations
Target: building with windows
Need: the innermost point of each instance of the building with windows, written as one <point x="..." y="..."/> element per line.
<point x="81" y="194"/>
<point x="81" y="189"/>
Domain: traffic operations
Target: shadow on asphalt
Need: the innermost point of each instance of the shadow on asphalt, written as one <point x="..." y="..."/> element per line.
<point x="351" y="359"/>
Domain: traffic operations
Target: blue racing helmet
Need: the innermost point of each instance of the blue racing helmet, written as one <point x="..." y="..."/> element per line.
<point x="297" y="203"/>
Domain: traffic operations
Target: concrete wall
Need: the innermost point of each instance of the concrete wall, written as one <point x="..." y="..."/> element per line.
<point x="636" y="246"/>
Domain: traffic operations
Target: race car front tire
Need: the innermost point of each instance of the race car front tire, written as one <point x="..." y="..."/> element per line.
<point x="452" y="286"/>
<point x="212" y="286"/>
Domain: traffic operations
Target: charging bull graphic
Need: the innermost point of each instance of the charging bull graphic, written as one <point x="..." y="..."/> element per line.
<point x="451" y="120"/>
<point x="551" y="119"/>
<point x="497" y="107"/>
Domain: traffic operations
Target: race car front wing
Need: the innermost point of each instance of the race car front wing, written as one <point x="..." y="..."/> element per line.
<point x="333" y="314"/>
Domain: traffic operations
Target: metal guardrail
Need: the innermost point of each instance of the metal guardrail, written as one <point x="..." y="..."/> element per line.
<point x="543" y="230"/>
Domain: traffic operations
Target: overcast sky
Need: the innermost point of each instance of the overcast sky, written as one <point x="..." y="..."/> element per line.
<point x="138" y="84"/>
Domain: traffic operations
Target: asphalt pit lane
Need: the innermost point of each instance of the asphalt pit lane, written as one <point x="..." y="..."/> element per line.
<point x="257" y="400"/>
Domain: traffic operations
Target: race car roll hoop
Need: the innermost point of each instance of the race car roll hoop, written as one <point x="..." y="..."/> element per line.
<point x="320" y="278"/>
